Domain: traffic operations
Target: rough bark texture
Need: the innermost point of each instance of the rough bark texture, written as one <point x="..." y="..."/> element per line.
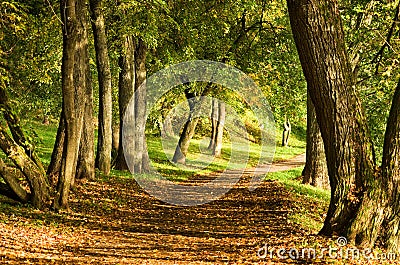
<point x="14" y="189"/>
<point x="125" y="88"/>
<point x="220" y="129"/>
<point x="104" y="140"/>
<point x="391" y="174"/>
<point x="16" y="130"/>
<point x="86" y="159"/>
<point x="37" y="180"/>
<point x="315" y="170"/>
<point x="318" y="34"/>
<point x="74" y="93"/>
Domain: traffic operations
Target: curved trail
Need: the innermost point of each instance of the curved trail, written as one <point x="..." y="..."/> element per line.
<point x="116" y="222"/>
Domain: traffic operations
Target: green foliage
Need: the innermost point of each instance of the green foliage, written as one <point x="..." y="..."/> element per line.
<point x="372" y="40"/>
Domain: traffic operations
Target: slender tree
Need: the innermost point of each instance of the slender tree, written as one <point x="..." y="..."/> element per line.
<point x="104" y="140"/>
<point x="220" y="129"/>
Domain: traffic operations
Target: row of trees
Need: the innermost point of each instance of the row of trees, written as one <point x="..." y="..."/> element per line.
<point x="342" y="63"/>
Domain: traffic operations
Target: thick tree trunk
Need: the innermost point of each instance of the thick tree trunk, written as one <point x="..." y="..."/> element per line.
<point x="104" y="140"/>
<point x="214" y="123"/>
<point x="318" y="34"/>
<point x="14" y="190"/>
<point x="16" y="130"/>
<point x="315" y="170"/>
<point x="391" y="174"/>
<point x="126" y="84"/>
<point x="86" y="159"/>
<point x="220" y="129"/>
<point x="34" y="175"/>
<point x="74" y="95"/>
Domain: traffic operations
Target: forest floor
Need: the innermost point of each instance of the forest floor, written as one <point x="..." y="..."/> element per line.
<point x="113" y="221"/>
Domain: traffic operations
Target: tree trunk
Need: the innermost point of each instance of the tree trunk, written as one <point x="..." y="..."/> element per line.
<point x="220" y="129"/>
<point x="391" y="174"/>
<point x="141" y="163"/>
<point x="318" y="34"/>
<point x="74" y="96"/>
<point x="37" y="180"/>
<point x="195" y="105"/>
<point x="287" y="128"/>
<point x="125" y="88"/>
<point x="104" y="140"/>
<point x="214" y="123"/>
<point x="54" y="169"/>
<point x="86" y="159"/>
<point x="14" y="189"/>
<point x="315" y="171"/>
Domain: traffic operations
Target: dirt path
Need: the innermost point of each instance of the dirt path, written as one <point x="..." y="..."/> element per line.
<point x="116" y="222"/>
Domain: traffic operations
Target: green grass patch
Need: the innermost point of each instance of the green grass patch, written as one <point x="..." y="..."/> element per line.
<point x="306" y="197"/>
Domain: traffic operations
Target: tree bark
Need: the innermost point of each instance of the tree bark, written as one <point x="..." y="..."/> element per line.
<point x="315" y="171"/>
<point x="86" y="159"/>
<point x="37" y="180"/>
<point x="74" y="96"/>
<point x="104" y="140"/>
<point x="141" y="163"/>
<point x="15" y="190"/>
<point x="220" y="129"/>
<point x="319" y="38"/>
<point x="391" y="174"/>
<point x="54" y="169"/>
<point x="126" y="84"/>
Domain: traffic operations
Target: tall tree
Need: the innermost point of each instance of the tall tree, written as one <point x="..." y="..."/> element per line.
<point x="104" y="140"/>
<point x="364" y="202"/>
<point x="220" y="129"/>
<point x="141" y="157"/>
<point x="76" y="95"/>
<point x="125" y="91"/>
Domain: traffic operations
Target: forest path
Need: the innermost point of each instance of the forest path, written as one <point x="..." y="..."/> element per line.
<point x="115" y="222"/>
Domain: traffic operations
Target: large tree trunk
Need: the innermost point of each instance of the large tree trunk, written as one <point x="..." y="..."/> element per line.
<point x="86" y="159"/>
<point x="315" y="171"/>
<point x="126" y="84"/>
<point x="104" y="140"/>
<point x="34" y="175"/>
<point x="74" y="94"/>
<point x="14" y="189"/>
<point x="220" y="129"/>
<point x="391" y="174"/>
<point x="318" y="34"/>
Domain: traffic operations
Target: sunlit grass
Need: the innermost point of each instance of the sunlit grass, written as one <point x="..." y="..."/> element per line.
<point x="311" y="221"/>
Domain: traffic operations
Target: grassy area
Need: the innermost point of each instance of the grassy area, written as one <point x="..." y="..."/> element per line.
<point x="315" y="198"/>
<point x="240" y="154"/>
